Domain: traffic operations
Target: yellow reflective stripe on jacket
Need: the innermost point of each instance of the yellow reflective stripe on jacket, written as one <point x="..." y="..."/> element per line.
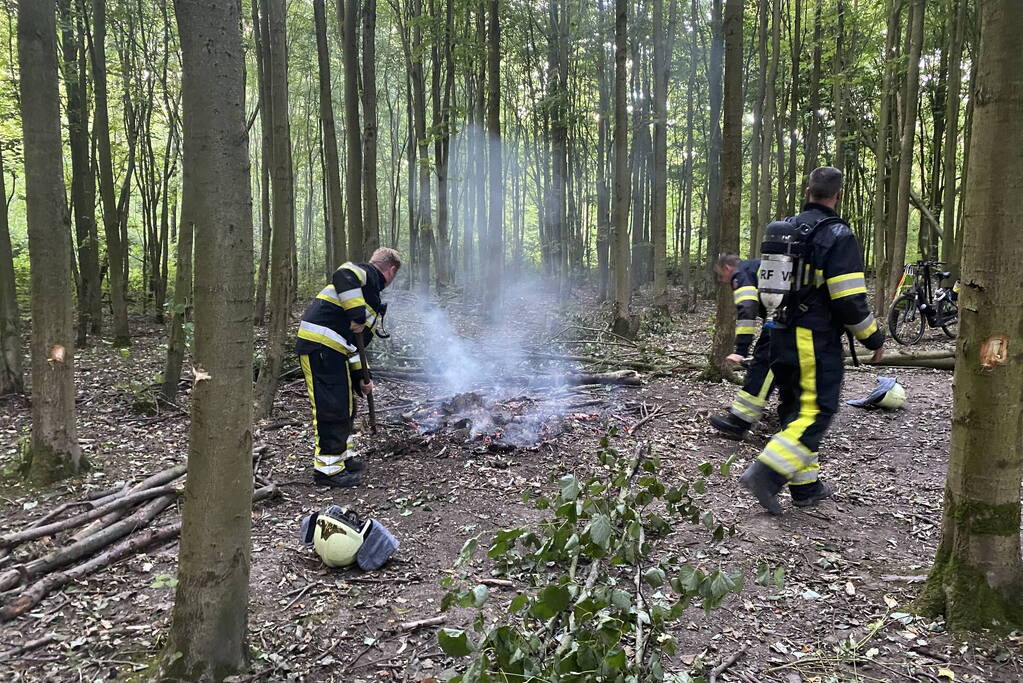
<point x="847" y="285"/>
<point x="747" y="293"/>
<point x="329" y="294"/>
<point x="745" y="327"/>
<point x="864" y="328"/>
<point x="359" y="272"/>
<point x="326" y="336"/>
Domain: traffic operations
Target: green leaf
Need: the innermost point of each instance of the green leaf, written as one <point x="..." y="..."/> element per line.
<point x="763" y="574"/>
<point x="570" y="487"/>
<point x="480" y="594"/>
<point x="700" y="485"/>
<point x="518" y="603"/>
<point x="616" y="659"/>
<point x="550" y="601"/>
<point x="706" y="468"/>
<point x="454" y="642"/>
<point x="600" y="531"/>
<point x="468" y="551"/>
<point x="779" y="577"/>
<point x="654" y="577"/>
<point x="621" y="599"/>
<point x="726" y="466"/>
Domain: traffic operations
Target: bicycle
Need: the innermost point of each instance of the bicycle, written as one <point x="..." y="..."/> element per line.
<point x="924" y="304"/>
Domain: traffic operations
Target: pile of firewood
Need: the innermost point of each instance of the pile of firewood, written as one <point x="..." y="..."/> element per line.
<point x="113" y="524"/>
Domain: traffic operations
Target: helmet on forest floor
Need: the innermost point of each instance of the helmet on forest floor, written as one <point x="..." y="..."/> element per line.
<point x="887" y="394"/>
<point x="341" y="539"/>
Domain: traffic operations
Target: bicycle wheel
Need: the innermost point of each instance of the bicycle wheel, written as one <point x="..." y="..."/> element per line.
<point x="949" y="312"/>
<point x="905" y="321"/>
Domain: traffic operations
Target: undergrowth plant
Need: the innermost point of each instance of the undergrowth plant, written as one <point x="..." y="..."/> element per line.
<point x="599" y="604"/>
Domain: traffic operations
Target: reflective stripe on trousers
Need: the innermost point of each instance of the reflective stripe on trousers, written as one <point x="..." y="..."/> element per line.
<point x="328" y="383"/>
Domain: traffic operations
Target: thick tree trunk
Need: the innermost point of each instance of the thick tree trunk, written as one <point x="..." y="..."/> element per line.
<point x="338" y="244"/>
<point x="54" y="449"/>
<point x="371" y="212"/>
<point x="208" y="631"/>
<point x="977" y="578"/>
<point x="12" y="380"/>
<point x="731" y="194"/>
<point x="620" y="208"/>
<point x="90" y="313"/>
<point x="282" y="258"/>
<point x="111" y="215"/>
<point x="898" y="246"/>
<point x="348" y="19"/>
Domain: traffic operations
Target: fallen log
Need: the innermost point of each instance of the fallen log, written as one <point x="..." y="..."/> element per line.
<point x="627" y="377"/>
<point x="34" y="594"/>
<point x="907" y="361"/>
<point x="909" y="355"/>
<point x="85" y="546"/>
<point x="13" y="539"/>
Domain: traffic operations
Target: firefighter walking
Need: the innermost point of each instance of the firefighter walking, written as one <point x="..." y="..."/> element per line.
<point x="750" y="401"/>
<point x="328" y="352"/>
<point x="812" y="284"/>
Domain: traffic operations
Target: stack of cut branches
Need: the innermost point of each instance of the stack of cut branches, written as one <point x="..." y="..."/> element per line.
<point x="112" y="526"/>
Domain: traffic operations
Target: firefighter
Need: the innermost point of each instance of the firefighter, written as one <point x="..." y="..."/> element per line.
<point x="828" y="298"/>
<point x="350" y="305"/>
<point x="748" y="406"/>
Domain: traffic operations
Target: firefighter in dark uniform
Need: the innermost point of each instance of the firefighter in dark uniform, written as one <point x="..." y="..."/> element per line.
<point x="807" y="348"/>
<point x="350" y="305"/>
<point x="748" y="406"/>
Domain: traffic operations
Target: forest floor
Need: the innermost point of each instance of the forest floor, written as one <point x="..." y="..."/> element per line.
<point x="852" y="565"/>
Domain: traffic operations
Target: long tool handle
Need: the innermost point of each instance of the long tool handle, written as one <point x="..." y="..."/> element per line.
<point x="360" y="343"/>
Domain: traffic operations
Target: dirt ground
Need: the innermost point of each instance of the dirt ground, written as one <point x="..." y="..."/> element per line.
<point x="848" y="563"/>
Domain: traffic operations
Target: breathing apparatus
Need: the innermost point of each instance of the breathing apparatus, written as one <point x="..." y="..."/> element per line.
<point x="786" y="266"/>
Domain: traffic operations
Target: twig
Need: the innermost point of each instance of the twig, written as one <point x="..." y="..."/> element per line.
<point x="720" y="668"/>
<point x="419" y="623"/>
<point x="500" y="583"/>
<point x="27" y="647"/>
<point x="299" y="596"/>
<point x="651" y="415"/>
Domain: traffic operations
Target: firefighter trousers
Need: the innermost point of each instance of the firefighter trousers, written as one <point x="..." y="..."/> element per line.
<point x="751" y="400"/>
<point x="328" y="381"/>
<point x="808" y="369"/>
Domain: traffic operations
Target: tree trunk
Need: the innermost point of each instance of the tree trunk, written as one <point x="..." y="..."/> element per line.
<point x="977" y="578"/>
<point x="54" y="450"/>
<point x="282" y="259"/>
<point x="659" y="195"/>
<point x="603" y="191"/>
<point x="717" y="49"/>
<point x="791" y="187"/>
<point x="620" y="209"/>
<point x="207" y="639"/>
<point x="335" y="217"/>
<point x="371" y="213"/>
<point x="495" y="172"/>
<point x="12" y="380"/>
<point x="348" y="19"/>
<point x="881" y="210"/>
<point x="260" y="31"/>
<point x="111" y="216"/>
<point x="898" y="250"/>
<point x="756" y="220"/>
<point x="951" y="148"/>
<point x="838" y="89"/>
<point x="90" y="312"/>
<point x="770" y="111"/>
<point x="813" y="127"/>
<point x="731" y="195"/>
<point x="181" y="309"/>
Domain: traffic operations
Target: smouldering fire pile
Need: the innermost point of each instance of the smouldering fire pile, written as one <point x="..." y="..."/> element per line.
<point x="499" y="423"/>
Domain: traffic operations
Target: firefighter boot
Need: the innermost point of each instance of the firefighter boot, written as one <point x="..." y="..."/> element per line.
<point x="814" y="494"/>
<point x="730" y="426"/>
<point x="343" y="479"/>
<point x="764" y="483"/>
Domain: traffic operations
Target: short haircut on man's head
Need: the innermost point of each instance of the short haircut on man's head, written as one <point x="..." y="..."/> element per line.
<point x="825" y="182"/>
<point x="386" y="257"/>
<point x="727" y="260"/>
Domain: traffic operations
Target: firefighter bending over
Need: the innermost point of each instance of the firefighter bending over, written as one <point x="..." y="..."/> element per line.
<point x="748" y="406"/>
<point x="812" y="285"/>
<point x="327" y="350"/>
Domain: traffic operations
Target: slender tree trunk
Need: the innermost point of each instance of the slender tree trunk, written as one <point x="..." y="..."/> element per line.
<point x="371" y="212"/>
<point x="955" y="77"/>
<point x="838" y="88"/>
<point x="731" y="195"/>
<point x="883" y="265"/>
<point x="495" y="172"/>
<point x="208" y="629"/>
<point x="111" y="215"/>
<point x="260" y="30"/>
<point x="348" y="19"/>
<point x="620" y="208"/>
<point x="767" y="182"/>
<point x="717" y="49"/>
<point x="603" y="191"/>
<point x="812" y="153"/>
<point x="790" y="187"/>
<point x="757" y="141"/>
<point x="90" y="313"/>
<point x="977" y="578"/>
<point x="659" y="200"/>
<point x="898" y="251"/>
<point x="11" y="377"/>
<point x="335" y="216"/>
<point x="180" y="310"/>
<point x="283" y="252"/>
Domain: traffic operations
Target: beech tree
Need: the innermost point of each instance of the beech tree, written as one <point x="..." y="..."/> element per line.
<point x="208" y="630"/>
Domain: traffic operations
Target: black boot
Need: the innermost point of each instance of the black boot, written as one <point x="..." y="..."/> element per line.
<point x="354" y="465"/>
<point x="764" y="483"/>
<point x="343" y="479"/>
<point x="730" y="426"/>
<point x="806" y="495"/>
